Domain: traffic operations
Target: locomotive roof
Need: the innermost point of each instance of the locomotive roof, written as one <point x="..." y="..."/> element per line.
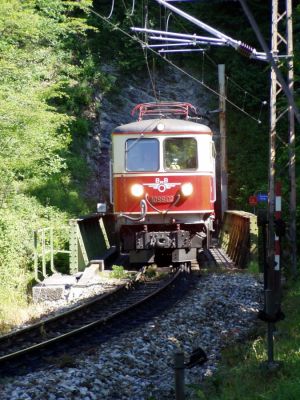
<point x="170" y="125"/>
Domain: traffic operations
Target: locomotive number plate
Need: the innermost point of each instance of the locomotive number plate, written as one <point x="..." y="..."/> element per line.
<point x="162" y="199"/>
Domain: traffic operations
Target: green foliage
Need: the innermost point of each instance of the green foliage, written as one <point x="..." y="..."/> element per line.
<point x="47" y="80"/>
<point x="35" y="136"/>
<point x="19" y="216"/>
<point x="152" y="272"/>
<point x="118" y="272"/>
<point x="253" y="267"/>
<point x="114" y="46"/>
<point x="57" y="192"/>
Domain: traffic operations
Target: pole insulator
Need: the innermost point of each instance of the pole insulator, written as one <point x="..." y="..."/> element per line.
<point x="245" y="50"/>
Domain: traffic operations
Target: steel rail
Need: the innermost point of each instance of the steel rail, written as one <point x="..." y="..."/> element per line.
<point x="74" y="310"/>
<point x="138" y="296"/>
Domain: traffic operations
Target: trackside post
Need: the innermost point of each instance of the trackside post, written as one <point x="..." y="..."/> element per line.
<point x="272" y="277"/>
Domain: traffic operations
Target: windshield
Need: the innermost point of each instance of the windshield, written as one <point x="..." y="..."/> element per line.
<point x="180" y="153"/>
<point x="142" y="155"/>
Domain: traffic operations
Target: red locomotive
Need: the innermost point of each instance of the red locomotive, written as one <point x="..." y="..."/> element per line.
<point x="163" y="183"/>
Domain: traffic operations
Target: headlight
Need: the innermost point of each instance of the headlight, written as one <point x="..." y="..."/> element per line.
<point x="187" y="189"/>
<point x="160" y="127"/>
<point x="137" y="190"/>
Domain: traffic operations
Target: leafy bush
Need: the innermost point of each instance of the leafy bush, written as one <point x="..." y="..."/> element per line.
<point x="118" y="272"/>
<point x="42" y="93"/>
<point x="18" y="218"/>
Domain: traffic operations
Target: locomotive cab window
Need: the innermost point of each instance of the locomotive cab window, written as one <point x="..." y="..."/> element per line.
<point x="142" y="155"/>
<point x="180" y="153"/>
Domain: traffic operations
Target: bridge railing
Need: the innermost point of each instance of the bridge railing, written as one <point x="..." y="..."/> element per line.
<point x="45" y="251"/>
<point x="239" y="237"/>
<point x="91" y="240"/>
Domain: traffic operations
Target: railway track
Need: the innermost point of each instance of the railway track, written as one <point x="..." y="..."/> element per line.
<point x="21" y="347"/>
<point x="96" y="313"/>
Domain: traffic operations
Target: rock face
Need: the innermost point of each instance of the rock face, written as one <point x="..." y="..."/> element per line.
<point x="169" y="85"/>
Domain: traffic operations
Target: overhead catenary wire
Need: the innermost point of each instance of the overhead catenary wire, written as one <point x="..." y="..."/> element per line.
<point x="132" y="8"/>
<point x="142" y="43"/>
<point x="145" y="50"/>
<point x="194" y="39"/>
<point x="111" y="10"/>
<point x="166" y="37"/>
<point x="229" y="80"/>
<point x="243" y="48"/>
<point x="245" y="92"/>
<point x="201" y="40"/>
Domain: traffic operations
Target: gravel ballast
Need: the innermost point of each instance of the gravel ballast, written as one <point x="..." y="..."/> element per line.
<point x="137" y="365"/>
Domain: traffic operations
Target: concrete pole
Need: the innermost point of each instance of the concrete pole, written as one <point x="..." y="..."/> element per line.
<point x="223" y="147"/>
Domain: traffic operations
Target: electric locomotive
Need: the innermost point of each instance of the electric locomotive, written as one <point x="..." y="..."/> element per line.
<point x="163" y="184"/>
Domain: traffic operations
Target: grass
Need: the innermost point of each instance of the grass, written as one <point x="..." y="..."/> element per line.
<point x="242" y="373"/>
<point x="16" y="310"/>
<point x="14" y="314"/>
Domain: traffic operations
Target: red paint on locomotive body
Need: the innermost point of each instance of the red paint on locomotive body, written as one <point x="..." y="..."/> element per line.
<point x="162" y="190"/>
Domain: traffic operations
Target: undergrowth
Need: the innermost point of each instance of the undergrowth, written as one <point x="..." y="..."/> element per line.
<point x="242" y="373"/>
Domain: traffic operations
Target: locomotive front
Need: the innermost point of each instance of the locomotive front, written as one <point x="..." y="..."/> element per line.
<point x="163" y="184"/>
